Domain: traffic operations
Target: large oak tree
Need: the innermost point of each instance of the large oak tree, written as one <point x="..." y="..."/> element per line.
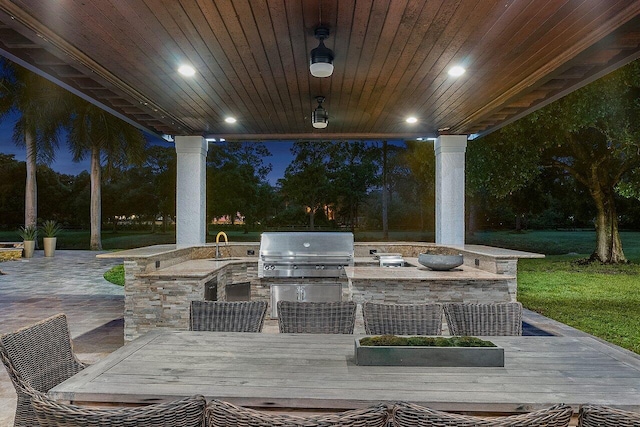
<point x="593" y="134"/>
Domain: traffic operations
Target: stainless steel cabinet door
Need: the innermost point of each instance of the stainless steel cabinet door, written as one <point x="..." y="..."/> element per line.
<point x="306" y="293"/>
<point x="320" y="293"/>
<point x="282" y="293"/>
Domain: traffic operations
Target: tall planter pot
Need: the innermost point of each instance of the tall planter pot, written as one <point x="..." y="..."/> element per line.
<point x="29" y="247"/>
<point x="49" y="246"/>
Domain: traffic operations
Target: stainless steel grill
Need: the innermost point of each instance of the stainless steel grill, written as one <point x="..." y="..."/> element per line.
<point x="304" y="254"/>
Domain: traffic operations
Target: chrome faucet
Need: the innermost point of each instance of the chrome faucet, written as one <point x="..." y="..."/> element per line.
<point x="226" y="242"/>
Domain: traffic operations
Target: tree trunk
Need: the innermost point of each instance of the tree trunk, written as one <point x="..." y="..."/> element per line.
<point x="31" y="186"/>
<point x="312" y="214"/>
<point x="385" y="196"/>
<point x="164" y="222"/>
<point x="472" y="220"/>
<point x="608" y="243"/>
<point x="96" y="201"/>
<point x="518" y="222"/>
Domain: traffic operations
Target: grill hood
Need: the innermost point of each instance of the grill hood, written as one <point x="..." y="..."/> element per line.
<point x="304" y="254"/>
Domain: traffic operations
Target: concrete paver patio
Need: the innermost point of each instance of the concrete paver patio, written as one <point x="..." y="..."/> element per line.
<point x="71" y="283"/>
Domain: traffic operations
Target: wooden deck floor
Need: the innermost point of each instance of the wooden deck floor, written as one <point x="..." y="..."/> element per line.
<point x="318" y="372"/>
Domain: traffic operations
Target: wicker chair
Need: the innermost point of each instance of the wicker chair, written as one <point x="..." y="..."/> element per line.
<point x="38" y="357"/>
<point x="603" y="416"/>
<point x="410" y="415"/>
<point x="317" y="317"/>
<point x="223" y="316"/>
<point x="484" y="319"/>
<point x="223" y="414"/>
<point x="402" y="319"/>
<point x="188" y="412"/>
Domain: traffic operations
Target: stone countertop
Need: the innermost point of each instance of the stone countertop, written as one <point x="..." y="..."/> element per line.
<point x="500" y="253"/>
<point x="417" y="273"/>
<point x="144" y="252"/>
<point x="197" y="268"/>
<point x="156" y="250"/>
<point x="366" y="268"/>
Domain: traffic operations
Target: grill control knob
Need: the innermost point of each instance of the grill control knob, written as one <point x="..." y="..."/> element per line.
<point x="295" y="267"/>
<point x="339" y="267"/>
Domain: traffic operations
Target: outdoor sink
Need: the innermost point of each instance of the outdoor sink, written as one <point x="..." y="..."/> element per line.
<point x="440" y="262"/>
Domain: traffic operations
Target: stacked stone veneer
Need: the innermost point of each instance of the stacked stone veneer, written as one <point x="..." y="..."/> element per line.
<point x="8" y="254"/>
<point x="158" y="302"/>
<point x="155" y="301"/>
<point x="422" y="291"/>
<point x="11" y="251"/>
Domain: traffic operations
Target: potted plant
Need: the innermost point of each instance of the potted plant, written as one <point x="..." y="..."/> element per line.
<point x="50" y="230"/>
<point x="29" y="235"/>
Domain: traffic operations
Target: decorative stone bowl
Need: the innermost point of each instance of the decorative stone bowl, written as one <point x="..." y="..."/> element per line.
<point x="440" y="262"/>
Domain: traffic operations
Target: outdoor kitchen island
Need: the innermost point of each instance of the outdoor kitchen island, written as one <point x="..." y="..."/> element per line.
<point x="161" y="281"/>
<point x="414" y="283"/>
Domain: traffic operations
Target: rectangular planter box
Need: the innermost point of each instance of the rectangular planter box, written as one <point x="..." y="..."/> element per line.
<point x="429" y="356"/>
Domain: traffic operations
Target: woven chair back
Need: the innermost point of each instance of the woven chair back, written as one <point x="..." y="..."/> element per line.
<point x="223" y="316"/>
<point x="402" y="319"/>
<point x="493" y="319"/>
<point x="188" y="412"/>
<point x="411" y="415"/>
<point x="39" y="356"/>
<point x="223" y="414"/>
<point x="603" y="416"/>
<point x="316" y="317"/>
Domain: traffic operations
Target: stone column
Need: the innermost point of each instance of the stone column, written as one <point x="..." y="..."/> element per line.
<point x="191" y="194"/>
<point x="450" y="164"/>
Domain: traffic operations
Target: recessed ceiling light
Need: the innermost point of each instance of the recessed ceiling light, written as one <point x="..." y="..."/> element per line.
<point x="230" y="120"/>
<point x="412" y="120"/>
<point x="187" y="70"/>
<point x="456" y="71"/>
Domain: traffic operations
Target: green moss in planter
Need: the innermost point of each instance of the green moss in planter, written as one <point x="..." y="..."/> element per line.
<point x="390" y="350"/>
<point x="393" y="340"/>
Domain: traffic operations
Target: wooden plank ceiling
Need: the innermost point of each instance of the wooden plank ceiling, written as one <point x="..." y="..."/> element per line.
<point x="252" y="57"/>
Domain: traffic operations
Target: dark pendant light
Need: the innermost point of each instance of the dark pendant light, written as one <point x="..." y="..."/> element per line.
<point x="320" y="117"/>
<point x="321" y="57"/>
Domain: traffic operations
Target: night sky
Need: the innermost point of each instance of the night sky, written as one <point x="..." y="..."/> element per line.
<point x="280" y="159"/>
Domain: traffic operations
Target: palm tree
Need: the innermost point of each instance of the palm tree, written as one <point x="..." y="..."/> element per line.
<point x="41" y="110"/>
<point x="107" y="139"/>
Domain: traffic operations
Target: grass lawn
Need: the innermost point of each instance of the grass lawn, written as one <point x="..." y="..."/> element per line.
<point x="115" y="275"/>
<point x="601" y="300"/>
